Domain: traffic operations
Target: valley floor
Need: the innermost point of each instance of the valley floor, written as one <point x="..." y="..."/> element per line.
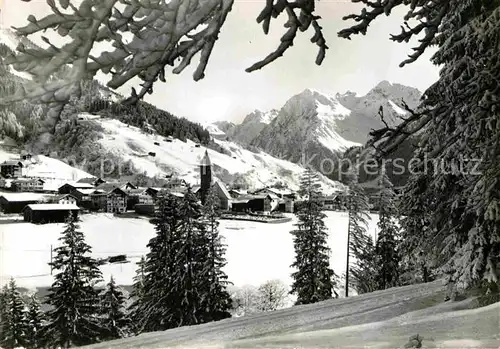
<point x="383" y="319"/>
<point x="256" y="252"/>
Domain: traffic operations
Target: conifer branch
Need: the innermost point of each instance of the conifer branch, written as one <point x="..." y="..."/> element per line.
<point x="294" y="23"/>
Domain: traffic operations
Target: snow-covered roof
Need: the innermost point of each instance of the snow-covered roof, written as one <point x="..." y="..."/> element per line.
<point x="77" y="185"/>
<point x="22" y="197"/>
<point x="27" y="180"/>
<point x="53" y="207"/>
<point x="62" y="196"/>
<point x="223" y="188"/>
<point x="85" y="191"/>
<point x="88" y="180"/>
<point x="12" y="163"/>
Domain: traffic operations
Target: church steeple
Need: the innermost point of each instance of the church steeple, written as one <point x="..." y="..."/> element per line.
<point x="205" y="176"/>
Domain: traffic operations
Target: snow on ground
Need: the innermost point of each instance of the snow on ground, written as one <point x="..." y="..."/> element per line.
<point x="397" y="108"/>
<point x="327" y="132"/>
<point x="260" y="169"/>
<point x="383" y="319"/>
<point x="54" y="172"/>
<point x="214" y="130"/>
<point x="256" y="252"/>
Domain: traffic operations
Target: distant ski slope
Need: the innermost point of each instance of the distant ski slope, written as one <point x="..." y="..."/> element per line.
<point x="259" y="169"/>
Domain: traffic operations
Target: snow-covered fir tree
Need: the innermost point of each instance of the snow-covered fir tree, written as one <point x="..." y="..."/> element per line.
<point x="387" y="246"/>
<point x="73" y="319"/>
<point x="14" y="322"/>
<point x="141" y="57"/>
<point x="217" y="301"/>
<point x="313" y="280"/>
<point x="419" y="255"/>
<point x="137" y="296"/>
<point x="458" y="124"/>
<point x="158" y="308"/>
<point x="3" y="310"/>
<point x="115" y="319"/>
<point x="35" y="319"/>
<point x="361" y="270"/>
<point x="191" y="269"/>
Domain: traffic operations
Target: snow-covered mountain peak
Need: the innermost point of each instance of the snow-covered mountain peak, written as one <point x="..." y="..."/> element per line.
<point x="258" y="116"/>
<point x="386" y="90"/>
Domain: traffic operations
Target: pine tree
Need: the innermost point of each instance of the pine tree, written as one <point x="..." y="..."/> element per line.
<point x="362" y="270"/>
<point x="141" y="58"/>
<point x="137" y="296"/>
<point x="388" y="257"/>
<point x="3" y="311"/>
<point x="35" y="319"/>
<point x="418" y="251"/>
<point x="116" y="321"/>
<point x="14" y="324"/>
<point x="314" y="279"/>
<point x="73" y="319"/>
<point x="191" y="260"/>
<point x="458" y="124"/>
<point x="159" y="306"/>
<point x="217" y="301"/>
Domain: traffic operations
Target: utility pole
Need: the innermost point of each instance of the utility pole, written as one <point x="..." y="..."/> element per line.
<point x="348" y="243"/>
<point x="51" y="260"/>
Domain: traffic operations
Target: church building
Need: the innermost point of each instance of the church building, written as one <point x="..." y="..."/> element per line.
<point x="207" y="182"/>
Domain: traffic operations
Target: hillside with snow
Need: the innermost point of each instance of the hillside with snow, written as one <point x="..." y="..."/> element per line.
<point x="181" y="159"/>
<point x="383" y="319"/>
<point x="54" y="172"/>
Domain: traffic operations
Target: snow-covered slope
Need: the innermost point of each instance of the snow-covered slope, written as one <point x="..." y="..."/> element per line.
<point x="384" y="319"/>
<point x="182" y="159"/>
<point x="365" y="109"/>
<point x="54" y="172"/>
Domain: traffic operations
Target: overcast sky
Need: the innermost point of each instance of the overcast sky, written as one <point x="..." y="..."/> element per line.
<point x="229" y="93"/>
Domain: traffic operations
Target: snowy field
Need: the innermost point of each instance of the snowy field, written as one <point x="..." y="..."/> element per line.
<point x="384" y="319"/>
<point x="256" y="252"/>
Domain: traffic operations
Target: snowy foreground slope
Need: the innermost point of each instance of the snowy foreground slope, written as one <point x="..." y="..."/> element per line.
<point x="256" y="252"/>
<point x="384" y="319"/>
<point x="182" y="159"/>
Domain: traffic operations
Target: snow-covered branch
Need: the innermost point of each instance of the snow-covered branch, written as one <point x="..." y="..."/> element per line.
<point x="301" y="22"/>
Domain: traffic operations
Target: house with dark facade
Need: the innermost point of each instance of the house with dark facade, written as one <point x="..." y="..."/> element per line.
<point x="28" y="184"/>
<point x="109" y="198"/>
<point x="280" y="193"/>
<point x="138" y="196"/>
<point x="16" y="202"/>
<point x="49" y="213"/>
<point x="12" y="169"/>
<point x="253" y="203"/>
